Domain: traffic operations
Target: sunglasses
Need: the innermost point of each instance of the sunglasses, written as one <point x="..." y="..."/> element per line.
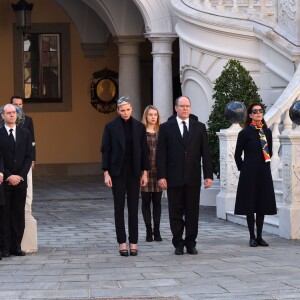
<point x="123" y="99"/>
<point x="257" y="111"/>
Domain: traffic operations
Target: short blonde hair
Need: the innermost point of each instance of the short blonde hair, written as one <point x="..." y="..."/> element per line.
<point x="123" y="100"/>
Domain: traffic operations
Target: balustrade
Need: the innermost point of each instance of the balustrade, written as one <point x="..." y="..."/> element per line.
<point x="260" y="8"/>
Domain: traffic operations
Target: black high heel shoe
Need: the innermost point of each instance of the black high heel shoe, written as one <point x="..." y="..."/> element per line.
<point x="124" y="252"/>
<point x="133" y="251"/>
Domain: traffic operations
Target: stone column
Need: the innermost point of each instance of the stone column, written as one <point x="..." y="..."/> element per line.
<point x="129" y="71"/>
<point x="229" y="174"/>
<point x="29" y="241"/>
<point x="162" y="75"/>
<point x="289" y="220"/>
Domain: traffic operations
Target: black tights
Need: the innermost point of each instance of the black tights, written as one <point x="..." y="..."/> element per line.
<point x="259" y="225"/>
<point x="155" y="197"/>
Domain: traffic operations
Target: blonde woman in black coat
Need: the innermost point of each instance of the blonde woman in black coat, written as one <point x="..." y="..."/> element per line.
<point x="255" y="192"/>
<point x="125" y="163"/>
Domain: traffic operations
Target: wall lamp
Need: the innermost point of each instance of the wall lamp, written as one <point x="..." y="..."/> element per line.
<point x="22" y="12"/>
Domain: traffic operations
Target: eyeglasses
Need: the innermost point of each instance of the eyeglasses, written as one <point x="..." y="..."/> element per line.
<point x="123" y="99"/>
<point x="257" y="111"/>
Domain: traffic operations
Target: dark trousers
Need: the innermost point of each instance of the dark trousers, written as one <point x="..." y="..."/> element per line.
<point x="183" y="205"/>
<point x="13" y="219"/>
<point x="126" y="184"/>
<point x="155" y="198"/>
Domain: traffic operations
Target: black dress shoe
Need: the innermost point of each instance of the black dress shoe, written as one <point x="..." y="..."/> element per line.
<point x="133" y="252"/>
<point x="123" y="252"/>
<point x="253" y="243"/>
<point x="5" y="253"/>
<point x="179" y="250"/>
<point x="18" y="253"/>
<point x="261" y="242"/>
<point x="192" y="250"/>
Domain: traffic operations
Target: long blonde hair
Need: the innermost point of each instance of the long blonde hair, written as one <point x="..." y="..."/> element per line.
<point x="144" y="119"/>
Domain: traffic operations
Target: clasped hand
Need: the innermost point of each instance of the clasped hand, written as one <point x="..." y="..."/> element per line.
<point x="14" y="179"/>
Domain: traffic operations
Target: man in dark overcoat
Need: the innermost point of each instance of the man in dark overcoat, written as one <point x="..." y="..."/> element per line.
<point x="16" y="148"/>
<point x="182" y="148"/>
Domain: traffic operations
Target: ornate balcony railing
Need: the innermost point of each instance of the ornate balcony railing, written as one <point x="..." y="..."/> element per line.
<point x="262" y="9"/>
<point x="280" y="15"/>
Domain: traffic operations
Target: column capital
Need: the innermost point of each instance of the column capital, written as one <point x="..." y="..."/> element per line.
<point x="129" y="45"/>
<point x="162" y="44"/>
<point x="161" y="37"/>
<point x="129" y="39"/>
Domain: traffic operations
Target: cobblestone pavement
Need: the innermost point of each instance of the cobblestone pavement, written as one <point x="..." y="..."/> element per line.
<point x="78" y="255"/>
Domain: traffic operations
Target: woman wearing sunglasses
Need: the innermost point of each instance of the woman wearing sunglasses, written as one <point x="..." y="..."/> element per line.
<point x="255" y="192"/>
<point x="125" y="163"/>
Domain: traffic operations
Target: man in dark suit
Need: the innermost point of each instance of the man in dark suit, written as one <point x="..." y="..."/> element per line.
<point x="1" y="197"/>
<point x="28" y="124"/>
<point x="182" y="147"/>
<point x="125" y="163"/>
<point x="16" y="148"/>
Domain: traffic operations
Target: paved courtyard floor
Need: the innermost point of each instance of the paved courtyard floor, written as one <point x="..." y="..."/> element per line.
<point x="78" y="255"/>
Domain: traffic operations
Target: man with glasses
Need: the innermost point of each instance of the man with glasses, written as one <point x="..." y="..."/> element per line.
<point x="125" y="163"/>
<point x="182" y="147"/>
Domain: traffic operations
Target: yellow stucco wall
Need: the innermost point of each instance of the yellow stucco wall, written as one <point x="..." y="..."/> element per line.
<point x="64" y="137"/>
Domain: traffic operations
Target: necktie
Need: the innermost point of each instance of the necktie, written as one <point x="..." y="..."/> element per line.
<point x="185" y="132"/>
<point x="11" y="136"/>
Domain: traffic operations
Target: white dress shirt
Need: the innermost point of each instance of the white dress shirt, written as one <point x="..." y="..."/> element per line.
<point x="13" y="132"/>
<point x="180" y="124"/>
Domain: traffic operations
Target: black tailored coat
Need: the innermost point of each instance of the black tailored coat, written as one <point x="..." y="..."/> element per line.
<point x="179" y="164"/>
<point x="255" y="192"/>
<point x="2" y="202"/>
<point x="113" y="147"/>
<point x="28" y="124"/>
<point x="18" y="161"/>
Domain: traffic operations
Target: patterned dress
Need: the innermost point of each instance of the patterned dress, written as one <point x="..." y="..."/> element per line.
<point x="152" y="185"/>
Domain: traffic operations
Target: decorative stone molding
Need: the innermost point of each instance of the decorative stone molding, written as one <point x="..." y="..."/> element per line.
<point x="289" y="221"/>
<point x="287" y="13"/>
<point x="198" y="88"/>
<point x="229" y="174"/>
<point x="29" y="241"/>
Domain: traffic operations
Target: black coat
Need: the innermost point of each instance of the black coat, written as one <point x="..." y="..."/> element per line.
<point x="2" y="202"/>
<point x="18" y="161"/>
<point x="255" y="192"/>
<point x="179" y="164"/>
<point x="28" y="124"/>
<point x="113" y="147"/>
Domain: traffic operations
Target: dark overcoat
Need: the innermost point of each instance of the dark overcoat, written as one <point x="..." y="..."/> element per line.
<point x="17" y="161"/>
<point x="28" y="124"/>
<point x="113" y="147"/>
<point x="2" y="202"/>
<point x="180" y="164"/>
<point x="255" y="192"/>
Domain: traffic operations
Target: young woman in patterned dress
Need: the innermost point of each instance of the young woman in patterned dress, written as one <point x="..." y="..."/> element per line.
<point x="151" y="193"/>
